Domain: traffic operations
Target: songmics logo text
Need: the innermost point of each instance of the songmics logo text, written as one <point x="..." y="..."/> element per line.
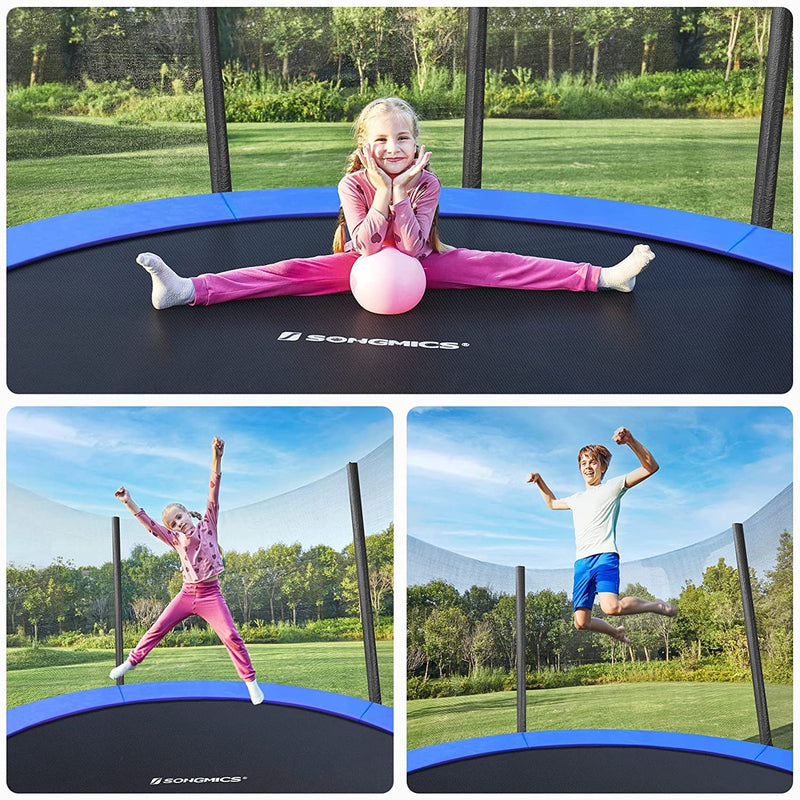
<point x="221" y="779"/>
<point x="297" y="336"/>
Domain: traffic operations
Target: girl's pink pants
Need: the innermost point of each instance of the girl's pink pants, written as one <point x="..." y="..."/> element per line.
<point x="205" y="600"/>
<point x="453" y="269"/>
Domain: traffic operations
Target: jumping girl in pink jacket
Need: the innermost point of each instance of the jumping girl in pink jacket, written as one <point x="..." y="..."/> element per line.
<point x="201" y="564"/>
<point x="388" y="197"/>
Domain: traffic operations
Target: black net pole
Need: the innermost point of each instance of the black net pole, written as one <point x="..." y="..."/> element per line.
<point x="769" y="141"/>
<point x="214" y="97"/>
<point x="362" y="572"/>
<point x="764" y="733"/>
<point x="522" y="722"/>
<point x="473" y="109"/>
<point x="116" y="551"/>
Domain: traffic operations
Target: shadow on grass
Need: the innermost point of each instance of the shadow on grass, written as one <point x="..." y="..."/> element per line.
<point x="781" y="737"/>
<point x="53" y="137"/>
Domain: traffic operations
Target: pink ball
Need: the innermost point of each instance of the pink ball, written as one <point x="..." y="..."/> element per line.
<point x="387" y="282"/>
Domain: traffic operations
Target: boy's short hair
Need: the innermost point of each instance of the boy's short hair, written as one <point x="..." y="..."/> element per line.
<point x="599" y="451"/>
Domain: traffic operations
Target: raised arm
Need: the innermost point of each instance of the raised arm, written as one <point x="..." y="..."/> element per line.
<point x="159" y="531"/>
<point x="648" y="464"/>
<point x="124" y="497"/>
<point x="547" y="495"/>
<point x="217" y="449"/>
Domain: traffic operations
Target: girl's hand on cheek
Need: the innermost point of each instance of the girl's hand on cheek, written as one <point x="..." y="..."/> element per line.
<point x="404" y="179"/>
<point x="378" y="178"/>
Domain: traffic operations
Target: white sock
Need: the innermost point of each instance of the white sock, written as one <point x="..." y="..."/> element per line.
<point x="119" y="671"/>
<point x="256" y="695"/>
<point x="622" y="276"/>
<point x="169" y="289"/>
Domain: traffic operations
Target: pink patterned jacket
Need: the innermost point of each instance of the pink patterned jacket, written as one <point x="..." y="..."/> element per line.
<point x="201" y="559"/>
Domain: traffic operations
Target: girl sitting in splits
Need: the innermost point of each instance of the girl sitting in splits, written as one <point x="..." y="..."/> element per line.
<point x="389" y="197"/>
<point x="201" y="562"/>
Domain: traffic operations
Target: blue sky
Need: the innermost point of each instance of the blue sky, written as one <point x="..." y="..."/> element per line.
<point x="468" y="466"/>
<point x="80" y="456"/>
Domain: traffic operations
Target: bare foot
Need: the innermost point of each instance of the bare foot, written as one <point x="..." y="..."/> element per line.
<point x="621" y="636"/>
<point x="668" y="609"/>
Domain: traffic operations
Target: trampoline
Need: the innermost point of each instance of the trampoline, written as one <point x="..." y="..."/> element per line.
<point x="599" y="761"/>
<point x="712" y="314"/>
<point x="199" y="736"/>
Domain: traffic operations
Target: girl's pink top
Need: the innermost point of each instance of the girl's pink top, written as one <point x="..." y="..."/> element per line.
<point x="201" y="559"/>
<point x="409" y="222"/>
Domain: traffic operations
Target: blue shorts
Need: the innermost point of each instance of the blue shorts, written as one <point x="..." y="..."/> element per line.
<point x="593" y="574"/>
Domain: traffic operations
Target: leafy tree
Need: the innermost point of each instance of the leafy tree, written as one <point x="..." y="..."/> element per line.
<point x="430" y="32"/>
<point x="361" y="31"/>
<point x="324" y="569"/>
<point x="446" y="631"/>
<point x="380" y="565"/>
<point x="243" y="580"/>
<point x="289" y="30"/>
<point x="35" y="606"/>
<point x="477" y="602"/>
<point x="652" y="23"/>
<point x="145" y="574"/>
<point x="279" y="562"/>
<point x="776" y="604"/>
<point x="479" y="647"/>
<point x="32" y="32"/>
<point x="502" y="619"/>
<point x="18" y="585"/>
<point x="295" y="590"/>
<point x="598" y="25"/>
<point x="543" y="624"/>
<point x="760" y="19"/>
<point x="643" y="629"/>
<point x="723" y="27"/>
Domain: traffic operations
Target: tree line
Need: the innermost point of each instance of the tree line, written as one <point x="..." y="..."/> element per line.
<point x="356" y="46"/>
<point x="455" y="634"/>
<point x="281" y="583"/>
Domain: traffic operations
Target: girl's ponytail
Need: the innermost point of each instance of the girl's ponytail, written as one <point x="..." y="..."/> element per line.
<point x="433" y="237"/>
<point x="339" y="238"/>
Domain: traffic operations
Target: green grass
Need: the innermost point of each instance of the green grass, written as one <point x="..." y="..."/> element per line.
<point x="713" y="709"/>
<point x="331" y="666"/>
<point x="705" y="166"/>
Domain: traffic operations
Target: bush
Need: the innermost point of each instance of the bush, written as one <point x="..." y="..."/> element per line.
<point x="164" y="108"/>
<point x="45" y="98"/>
<point x="705" y="670"/>
<point x="17" y="640"/>
<point x="103" y="99"/>
<point x="259" y="97"/>
<point x="339" y="629"/>
<point x="301" y="102"/>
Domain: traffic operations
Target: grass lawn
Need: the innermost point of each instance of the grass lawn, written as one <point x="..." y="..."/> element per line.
<point x="713" y="709"/>
<point x="706" y="166"/>
<point x="332" y="666"/>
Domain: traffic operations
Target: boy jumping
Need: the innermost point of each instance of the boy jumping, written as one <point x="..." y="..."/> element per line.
<point x="594" y="513"/>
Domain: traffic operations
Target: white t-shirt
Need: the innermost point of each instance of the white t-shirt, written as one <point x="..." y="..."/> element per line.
<point x="594" y="514"/>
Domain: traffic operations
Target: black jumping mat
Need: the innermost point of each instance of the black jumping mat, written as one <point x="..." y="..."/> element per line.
<point x="208" y="746"/>
<point x="696" y="323"/>
<point x="599" y="769"/>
